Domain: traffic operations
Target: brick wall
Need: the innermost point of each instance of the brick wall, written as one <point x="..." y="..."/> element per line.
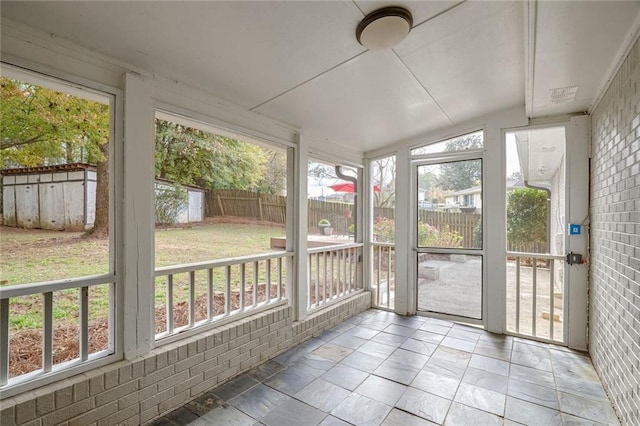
<point x="614" y="302"/>
<point x="136" y="392"/>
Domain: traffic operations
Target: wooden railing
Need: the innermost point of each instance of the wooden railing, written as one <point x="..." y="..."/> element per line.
<point x="46" y="291"/>
<point x="383" y="279"/>
<point x="535" y="295"/>
<point x="335" y="272"/>
<point x="238" y="292"/>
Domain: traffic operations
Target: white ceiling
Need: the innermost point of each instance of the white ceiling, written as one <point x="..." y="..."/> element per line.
<point x="299" y="62"/>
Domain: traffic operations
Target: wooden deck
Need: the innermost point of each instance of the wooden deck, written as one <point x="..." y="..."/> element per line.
<point x="280" y="243"/>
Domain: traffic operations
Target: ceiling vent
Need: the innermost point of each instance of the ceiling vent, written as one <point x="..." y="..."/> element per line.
<point x="562" y="95"/>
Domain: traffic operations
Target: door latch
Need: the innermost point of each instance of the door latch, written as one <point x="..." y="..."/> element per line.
<point x="574" y="258"/>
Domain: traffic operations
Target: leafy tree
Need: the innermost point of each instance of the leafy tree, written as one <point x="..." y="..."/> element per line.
<point x="526" y="217"/>
<point x="274" y="180"/>
<point x="170" y="200"/>
<point x="516" y="176"/>
<point x="42" y="126"/>
<point x="428" y="183"/>
<point x="384" y="177"/>
<point x="194" y="157"/>
<point x="460" y="175"/>
<point x="320" y="172"/>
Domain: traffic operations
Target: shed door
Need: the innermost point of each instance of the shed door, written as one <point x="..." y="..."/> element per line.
<point x="27" y="215"/>
<point x="195" y="206"/>
<point x="51" y="206"/>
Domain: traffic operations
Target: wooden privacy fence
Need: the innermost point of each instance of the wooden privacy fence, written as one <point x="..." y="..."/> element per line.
<point x="462" y="223"/>
<point x="272" y="208"/>
<point x="333" y="211"/>
<point x="241" y="203"/>
<point x="268" y="207"/>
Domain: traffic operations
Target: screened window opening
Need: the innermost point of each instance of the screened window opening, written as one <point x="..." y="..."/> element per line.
<point x="55" y="162"/>
<point x="332" y="208"/>
<point x="459" y="143"/>
<point x="220" y="214"/>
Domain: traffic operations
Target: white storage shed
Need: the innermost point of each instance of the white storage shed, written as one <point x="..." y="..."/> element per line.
<point x="60" y="197"/>
<point x="63" y="197"/>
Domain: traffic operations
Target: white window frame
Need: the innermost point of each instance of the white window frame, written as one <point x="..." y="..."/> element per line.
<point x="74" y="85"/>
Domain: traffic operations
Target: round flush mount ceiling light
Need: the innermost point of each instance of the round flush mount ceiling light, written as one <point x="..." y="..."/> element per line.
<point x="384" y="28"/>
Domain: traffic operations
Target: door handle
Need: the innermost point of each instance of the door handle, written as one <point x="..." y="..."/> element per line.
<point x="574" y="258"/>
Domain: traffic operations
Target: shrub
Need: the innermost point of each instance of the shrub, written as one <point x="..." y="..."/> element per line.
<point x="477" y="235"/>
<point x="171" y="199"/>
<point x="526" y="218"/>
<point x="428" y="235"/>
<point x="384" y="230"/>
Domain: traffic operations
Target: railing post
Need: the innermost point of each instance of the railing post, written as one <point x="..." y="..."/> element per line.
<point x="84" y="323"/>
<point x="192" y="298"/>
<point x="243" y="277"/>
<point x="534" y="302"/>
<point x="517" y="294"/>
<point x="47" y="330"/>
<point x="210" y="295"/>
<point x="4" y="341"/>
<point x="389" y="277"/>
<point x="169" y="304"/>
<point x="267" y="290"/>
<point x="227" y="290"/>
<point x="256" y="265"/>
<point x="552" y="299"/>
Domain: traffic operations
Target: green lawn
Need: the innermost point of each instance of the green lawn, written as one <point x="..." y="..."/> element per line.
<point x="37" y="255"/>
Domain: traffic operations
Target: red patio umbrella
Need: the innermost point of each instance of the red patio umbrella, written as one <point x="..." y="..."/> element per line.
<point x="348" y="187"/>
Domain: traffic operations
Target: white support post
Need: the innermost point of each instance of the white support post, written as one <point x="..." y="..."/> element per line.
<point x="365" y="230"/>
<point x="298" y="183"/>
<point x="577" y="212"/>
<point x="137" y="245"/>
<point x="494" y="231"/>
<point x="405" y="300"/>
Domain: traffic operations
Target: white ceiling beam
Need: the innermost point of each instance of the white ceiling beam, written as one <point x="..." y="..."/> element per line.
<point x="530" y="21"/>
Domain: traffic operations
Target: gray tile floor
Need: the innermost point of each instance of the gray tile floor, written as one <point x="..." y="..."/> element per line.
<point x="381" y="368"/>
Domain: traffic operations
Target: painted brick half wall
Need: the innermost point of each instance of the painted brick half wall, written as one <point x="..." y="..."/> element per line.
<point x="136" y="392"/>
<point x="614" y="300"/>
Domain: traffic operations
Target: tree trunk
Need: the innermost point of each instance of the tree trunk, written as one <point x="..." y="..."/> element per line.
<point x="101" y="224"/>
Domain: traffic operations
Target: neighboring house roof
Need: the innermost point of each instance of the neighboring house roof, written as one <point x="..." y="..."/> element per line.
<point x="171" y="182"/>
<point x="511" y="184"/>
<point x="72" y="167"/>
<point x="468" y="191"/>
